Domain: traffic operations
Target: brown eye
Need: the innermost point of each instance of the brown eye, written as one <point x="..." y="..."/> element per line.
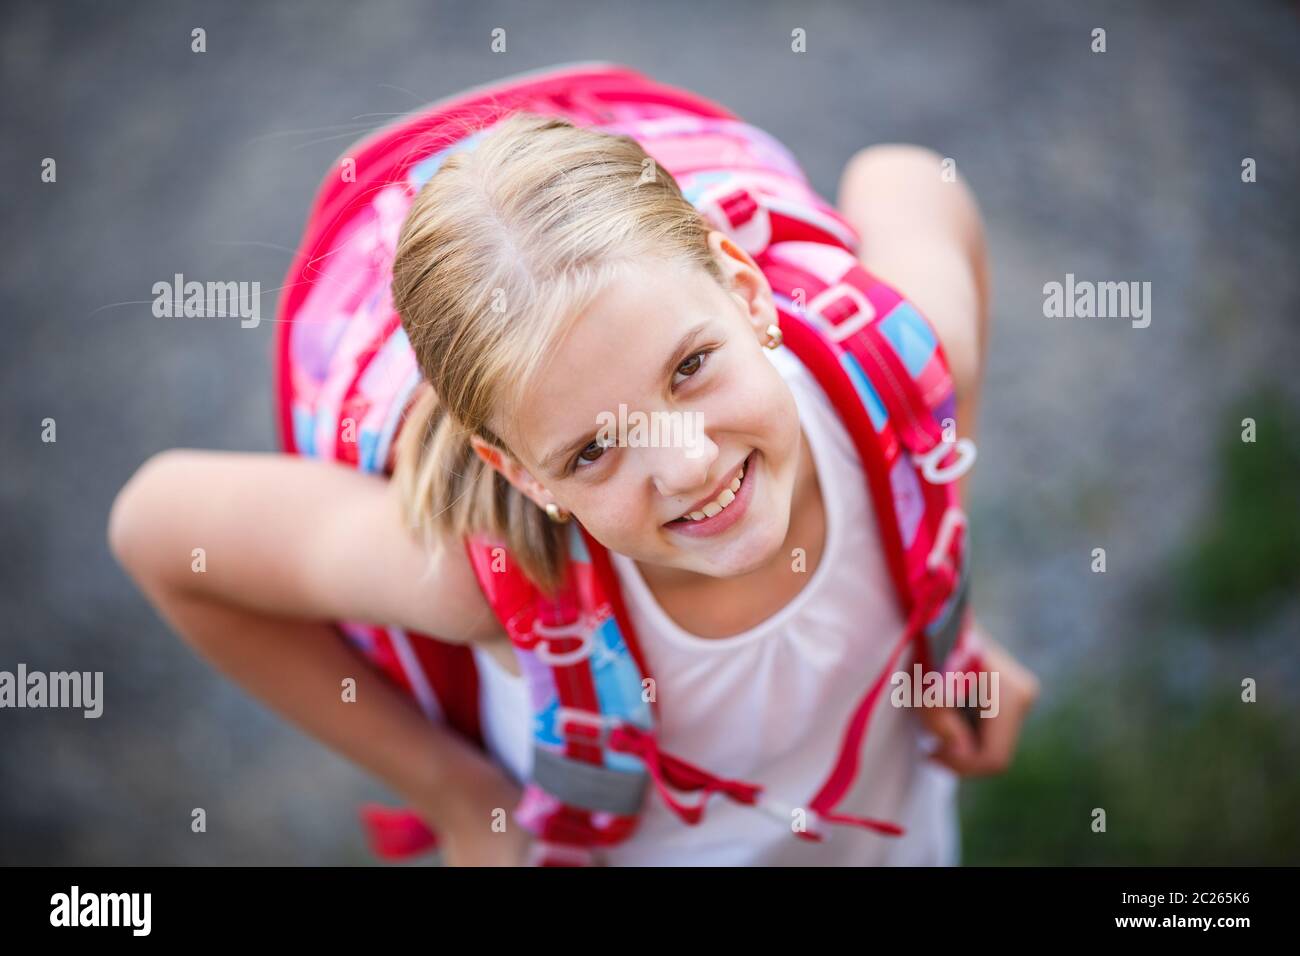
<point x="582" y="461"/>
<point x="691" y="365"/>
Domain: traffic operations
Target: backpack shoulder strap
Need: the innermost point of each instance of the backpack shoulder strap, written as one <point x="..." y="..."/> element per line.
<point x="584" y="678"/>
<point x="882" y="366"/>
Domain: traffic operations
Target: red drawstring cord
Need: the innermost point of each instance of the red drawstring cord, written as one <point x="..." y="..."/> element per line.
<point x="664" y="769"/>
<point x="395" y="834"/>
<point x="938" y="583"/>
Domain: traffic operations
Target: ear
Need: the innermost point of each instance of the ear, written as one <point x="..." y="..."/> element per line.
<point x="511" y="470"/>
<point x="745" y="282"/>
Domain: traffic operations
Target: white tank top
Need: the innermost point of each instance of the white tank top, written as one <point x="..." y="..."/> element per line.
<point x="769" y="705"/>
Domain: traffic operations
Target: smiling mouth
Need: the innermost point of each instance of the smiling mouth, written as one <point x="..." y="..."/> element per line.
<point x="720" y="503"/>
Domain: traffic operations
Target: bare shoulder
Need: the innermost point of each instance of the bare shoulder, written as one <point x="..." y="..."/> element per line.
<point x="922" y="232"/>
<point x="297" y="537"/>
<point x="444" y="598"/>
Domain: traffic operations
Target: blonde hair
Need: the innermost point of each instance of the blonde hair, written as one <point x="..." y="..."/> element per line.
<point x="504" y="247"/>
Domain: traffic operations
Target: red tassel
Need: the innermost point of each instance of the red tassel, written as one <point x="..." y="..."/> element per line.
<point x="396" y="833"/>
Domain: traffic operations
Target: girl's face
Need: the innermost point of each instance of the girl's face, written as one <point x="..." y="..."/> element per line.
<point x="667" y="368"/>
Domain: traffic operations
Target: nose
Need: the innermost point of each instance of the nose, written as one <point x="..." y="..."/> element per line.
<point x="683" y="472"/>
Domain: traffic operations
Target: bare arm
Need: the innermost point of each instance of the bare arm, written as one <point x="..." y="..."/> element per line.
<point x="923" y="235"/>
<point x="289" y="545"/>
<point x="297" y="667"/>
<point x="293" y="536"/>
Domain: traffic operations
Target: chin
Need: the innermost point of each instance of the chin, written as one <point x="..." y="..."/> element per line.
<point x="759" y="547"/>
<point x="765" y="549"/>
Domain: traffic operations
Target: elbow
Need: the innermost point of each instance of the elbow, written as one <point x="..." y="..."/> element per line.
<point x="128" y="517"/>
<point x="930" y="180"/>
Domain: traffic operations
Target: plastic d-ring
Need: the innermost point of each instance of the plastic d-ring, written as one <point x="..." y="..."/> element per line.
<point x="937" y="475"/>
<point x="952" y="519"/>
<point x="546" y="633"/>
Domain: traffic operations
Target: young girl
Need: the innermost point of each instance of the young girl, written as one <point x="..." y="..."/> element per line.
<point x="544" y="282"/>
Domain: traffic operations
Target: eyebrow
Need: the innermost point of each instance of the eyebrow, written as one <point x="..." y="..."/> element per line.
<point x="678" y="354"/>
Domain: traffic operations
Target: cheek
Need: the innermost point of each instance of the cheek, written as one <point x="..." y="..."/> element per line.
<point x="764" y="405"/>
<point x="611" y="510"/>
<point x="757" y="406"/>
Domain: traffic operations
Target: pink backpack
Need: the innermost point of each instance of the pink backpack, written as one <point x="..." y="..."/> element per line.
<point x="346" y="375"/>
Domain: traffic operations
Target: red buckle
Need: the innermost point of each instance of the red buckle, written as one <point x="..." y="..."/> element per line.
<point x="844" y="309"/>
<point x="592" y="728"/>
<point x="741" y="214"/>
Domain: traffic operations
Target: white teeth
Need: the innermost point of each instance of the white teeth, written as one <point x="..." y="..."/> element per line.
<point x="717" y="504"/>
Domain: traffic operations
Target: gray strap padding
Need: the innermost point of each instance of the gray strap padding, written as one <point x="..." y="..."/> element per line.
<point x="941" y="636"/>
<point x="586" y="785"/>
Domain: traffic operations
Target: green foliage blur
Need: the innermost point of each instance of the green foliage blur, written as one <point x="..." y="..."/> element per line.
<point x="1159" y="736"/>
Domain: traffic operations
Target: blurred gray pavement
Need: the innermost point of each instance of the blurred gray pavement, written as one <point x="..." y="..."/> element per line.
<point x="1116" y="166"/>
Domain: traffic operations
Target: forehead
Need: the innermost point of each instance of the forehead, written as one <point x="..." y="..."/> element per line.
<point x="613" y="352"/>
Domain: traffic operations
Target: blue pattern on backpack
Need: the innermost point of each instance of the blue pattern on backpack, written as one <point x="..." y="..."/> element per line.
<point x="910" y="336"/>
<point x="422" y="171"/>
<point x="304" y="431"/>
<point x="866" y="391"/>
